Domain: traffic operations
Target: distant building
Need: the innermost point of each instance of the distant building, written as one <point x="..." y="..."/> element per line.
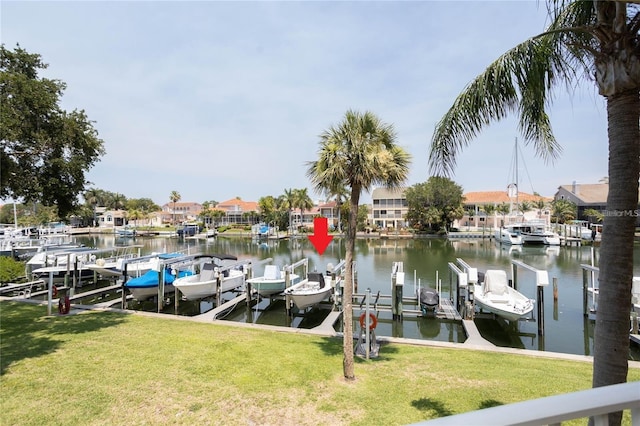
<point x="238" y="211"/>
<point x="389" y="208"/>
<point x="476" y="217"/>
<point x="180" y="212"/>
<point x="110" y="218"/>
<point x="585" y="196"/>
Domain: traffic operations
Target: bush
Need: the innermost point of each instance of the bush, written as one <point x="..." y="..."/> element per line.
<point x="10" y="269"/>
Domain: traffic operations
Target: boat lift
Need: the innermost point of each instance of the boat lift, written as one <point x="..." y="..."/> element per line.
<point x="541" y="279"/>
<point x="178" y="261"/>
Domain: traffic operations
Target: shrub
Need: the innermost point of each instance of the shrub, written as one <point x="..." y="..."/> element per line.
<point x="10" y="269"/>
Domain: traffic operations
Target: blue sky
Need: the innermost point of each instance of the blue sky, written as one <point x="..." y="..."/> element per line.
<point x="223" y="99"/>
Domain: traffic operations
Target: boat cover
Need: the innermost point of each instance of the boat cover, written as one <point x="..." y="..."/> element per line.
<point x="150" y="279"/>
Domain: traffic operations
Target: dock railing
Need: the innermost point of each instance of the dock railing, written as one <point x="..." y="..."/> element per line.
<point x="553" y="410"/>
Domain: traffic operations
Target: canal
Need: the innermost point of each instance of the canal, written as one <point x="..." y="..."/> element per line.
<point x="566" y="329"/>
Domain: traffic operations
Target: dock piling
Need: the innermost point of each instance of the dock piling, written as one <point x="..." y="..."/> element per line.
<point x="397" y="286"/>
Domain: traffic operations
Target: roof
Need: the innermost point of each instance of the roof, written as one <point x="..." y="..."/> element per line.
<point x="386" y="193"/>
<point x="490" y="197"/>
<point x="589" y="192"/>
<point x="181" y="204"/>
<point x="237" y="205"/>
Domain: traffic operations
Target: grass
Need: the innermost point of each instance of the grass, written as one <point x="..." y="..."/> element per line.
<point x="99" y="368"/>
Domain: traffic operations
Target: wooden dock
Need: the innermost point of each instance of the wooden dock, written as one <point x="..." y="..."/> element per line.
<point x="448" y="311"/>
<point x="9" y="288"/>
<point x="327" y="325"/>
<point x="473" y="335"/>
<point x="96" y="291"/>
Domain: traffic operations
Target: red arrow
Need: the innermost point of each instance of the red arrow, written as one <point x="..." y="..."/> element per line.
<point x="320" y="238"/>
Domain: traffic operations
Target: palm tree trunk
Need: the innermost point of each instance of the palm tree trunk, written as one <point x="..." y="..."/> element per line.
<point x="611" y="346"/>
<point x="347" y="299"/>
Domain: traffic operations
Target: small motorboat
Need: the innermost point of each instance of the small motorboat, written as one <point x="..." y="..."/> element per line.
<point x="493" y="293"/>
<point x="146" y="286"/>
<point x="311" y="291"/>
<point x="272" y="282"/>
<point x="221" y="273"/>
<point x="429" y="300"/>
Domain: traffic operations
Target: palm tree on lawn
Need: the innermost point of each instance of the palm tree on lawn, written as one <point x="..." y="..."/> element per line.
<point x="584" y="39"/>
<point x="358" y="153"/>
<point x="174" y="197"/>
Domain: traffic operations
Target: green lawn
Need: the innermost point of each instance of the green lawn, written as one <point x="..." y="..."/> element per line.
<point x="99" y="368"/>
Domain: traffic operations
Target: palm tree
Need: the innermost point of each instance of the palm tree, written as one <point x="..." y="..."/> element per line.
<point x="340" y="193"/>
<point x="118" y="201"/>
<point x="525" y="206"/>
<point x="540" y="204"/>
<point x="564" y="211"/>
<point x="174" y="197"/>
<point x="503" y="209"/>
<point x="302" y="201"/>
<point x="287" y="202"/>
<point x="135" y="215"/>
<point x="585" y="38"/>
<point x="92" y="197"/>
<point x="358" y="153"/>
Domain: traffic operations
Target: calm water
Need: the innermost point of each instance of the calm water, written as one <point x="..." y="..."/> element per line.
<point x="566" y="329"/>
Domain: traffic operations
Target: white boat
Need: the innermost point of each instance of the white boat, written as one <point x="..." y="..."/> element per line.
<point x="310" y="291"/>
<point x="126" y="232"/>
<point x="508" y="236"/>
<point x="494" y="294"/>
<point x="534" y="232"/>
<point x="58" y="263"/>
<point x="146" y="286"/>
<point x="272" y="282"/>
<point x="112" y="266"/>
<point x="214" y="275"/>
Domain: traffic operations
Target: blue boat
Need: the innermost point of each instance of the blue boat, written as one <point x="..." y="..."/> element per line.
<point x="146" y="286"/>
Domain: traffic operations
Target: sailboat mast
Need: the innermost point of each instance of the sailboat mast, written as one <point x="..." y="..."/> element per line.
<point x="517" y="191"/>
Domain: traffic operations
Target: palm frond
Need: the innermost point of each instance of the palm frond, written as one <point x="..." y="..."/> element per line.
<point x="520" y="81"/>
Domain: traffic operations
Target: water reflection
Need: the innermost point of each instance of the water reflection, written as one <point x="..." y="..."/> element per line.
<point x="425" y="261"/>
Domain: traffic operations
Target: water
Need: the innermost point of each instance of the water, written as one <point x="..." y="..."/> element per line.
<point x="567" y="330"/>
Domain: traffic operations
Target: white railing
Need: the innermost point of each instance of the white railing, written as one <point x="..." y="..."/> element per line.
<point x="552" y="410"/>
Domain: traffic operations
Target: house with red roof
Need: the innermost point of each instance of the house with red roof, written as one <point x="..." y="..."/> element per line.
<point x="476" y="216"/>
<point x="238" y="211"/>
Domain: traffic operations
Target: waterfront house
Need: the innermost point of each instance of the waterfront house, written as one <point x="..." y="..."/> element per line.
<point x="180" y="212"/>
<point x="389" y="208"/>
<point x="238" y="211"/>
<point x="476" y="217"/>
<point x="584" y="196"/>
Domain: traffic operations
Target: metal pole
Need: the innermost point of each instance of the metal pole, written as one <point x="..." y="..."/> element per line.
<point x="585" y="286"/>
<point x="540" y="310"/>
<point x="160" y="287"/>
<point x="367" y="326"/>
<point x="50" y="293"/>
